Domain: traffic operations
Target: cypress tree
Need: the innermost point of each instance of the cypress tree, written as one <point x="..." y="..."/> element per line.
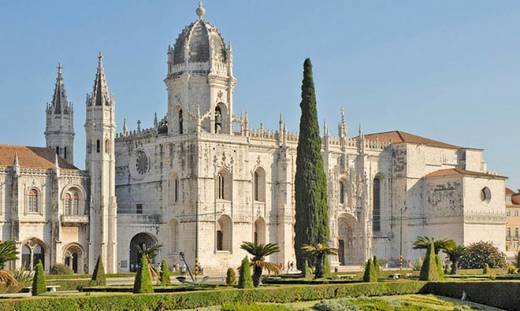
<point x="311" y="225"/>
<point x="429" y="271"/>
<point x="245" y="280"/>
<point x="231" y="277"/>
<point x="143" y="279"/>
<point x="370" y="274"/>
<point x="39" y="285"/>
<point x="164" y="277"/>
<point x="98" y="276"/>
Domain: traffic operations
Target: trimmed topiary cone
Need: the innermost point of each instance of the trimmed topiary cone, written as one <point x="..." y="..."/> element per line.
<point x="245" y="280"/>
<point x="164" y="277"/>
<point x="307" y="271"/>
<point x="143" y="279"/>
<point x="370" y="274"/>
<point x="326" y="267"/>
<point x="377" y="266"/>
<point x="440" y="270"/>
<point x="231" y="277"/>
<point x="486" y="269"/>
<point x="39" y="285"/>
<point x="429" y="271"/>
<point x="98" y="276"/>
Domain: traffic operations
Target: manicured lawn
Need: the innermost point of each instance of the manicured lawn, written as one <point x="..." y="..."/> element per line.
<point x="387" y="303"/>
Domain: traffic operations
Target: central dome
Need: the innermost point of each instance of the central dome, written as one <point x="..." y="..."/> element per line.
<point x="198" y="43"/>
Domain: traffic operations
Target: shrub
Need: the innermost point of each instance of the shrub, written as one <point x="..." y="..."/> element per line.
<point x="370" y="274"/>
<point x="61" y="269"/>
<point x="377" y="266"/>
<point x="39" y="286"/>
<point x="480" y="253"/>
<point x="307" y="271"/>
<point x="164" y="277"/>
<point x="417" y="264"/>
<point x="98" y="277"/>
<point x="429" y="269"/>
<point x="518" y="260"/>
<point x="143" y="279"/>
<point x="440" y="270"/>
<point x="198" y="299"/>
<point x="485" y="270"/>
<point x="231" y="277"/>
<point x="245" y="280"/>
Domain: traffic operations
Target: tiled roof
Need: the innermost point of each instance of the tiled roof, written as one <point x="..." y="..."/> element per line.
<point x="461" y="172"/>
<point x="515" y="199"/>
<point x="509" y="191"/>
<point x="403" y="137"/>
<point x="31" y="157"/>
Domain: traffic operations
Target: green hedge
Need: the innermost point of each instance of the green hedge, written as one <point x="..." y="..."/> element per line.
<point x="308" y="281"/>
<point x="499" y="294"/>
<point x="190" y="300"/>
<point x="157" y="289"/>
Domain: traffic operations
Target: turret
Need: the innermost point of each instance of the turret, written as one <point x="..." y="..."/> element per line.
<point x="59" y="130"/>
<point x="100" y="162"/>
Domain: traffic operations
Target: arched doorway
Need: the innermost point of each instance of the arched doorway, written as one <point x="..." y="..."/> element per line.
<point x="347" y="250"/>
<point x="139" y="241"/>
<point x="73" y="257"/>
<point x="33" y="251"/>
<point x="223" y="233"/>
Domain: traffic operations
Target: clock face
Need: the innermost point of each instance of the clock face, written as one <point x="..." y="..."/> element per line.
<point x="142" y="164"/>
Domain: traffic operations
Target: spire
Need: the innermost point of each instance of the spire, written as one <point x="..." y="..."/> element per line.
<point x="200" y="11"/>
<point x="125" y="128"/>
<point x="100" y="94"/>
<point x="342" y="127"/>
<point x="155" y="122"/>
<point x="325" y="129"/>
<point x="60" y="103"/>
<point x="16" y="165"/>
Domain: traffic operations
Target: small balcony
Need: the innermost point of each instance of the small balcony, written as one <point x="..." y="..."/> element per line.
<point x="74" y="220"/>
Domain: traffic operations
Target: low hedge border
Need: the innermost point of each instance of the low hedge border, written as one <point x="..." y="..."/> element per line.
<point x="156" y="289"/>
<point x="498" y="294"/>
<point x="191" y="300"/>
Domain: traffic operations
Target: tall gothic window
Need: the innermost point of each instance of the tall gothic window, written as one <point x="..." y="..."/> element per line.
<point x="176" y="190"/>
<point x="58" y="150"/>
<point x="218" y="120"/>
<point x="33" y="201"/>
<point x="98" y="146"/>
<point x="376" y="204"/>
<point x="68" y="204"/>
<point x="181" y="122"/>
<point x="341" y="192"/>
<point x="259" y="185"/>
<point x="221" y="185"/>
<point x="65" y="152"/>
<point x="107" y="146"/>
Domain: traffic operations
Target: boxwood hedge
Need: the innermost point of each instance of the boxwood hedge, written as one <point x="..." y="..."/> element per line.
<point x="190" y="300"/>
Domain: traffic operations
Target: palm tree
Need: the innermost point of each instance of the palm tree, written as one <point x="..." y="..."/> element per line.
<point x="259" y="252"/>
<point x="8" y="252"/>
<point x="454" y="254"/>
<point x="150" y="252"/>
<point x="318" y="252"/>
<point x="423" y="242"/>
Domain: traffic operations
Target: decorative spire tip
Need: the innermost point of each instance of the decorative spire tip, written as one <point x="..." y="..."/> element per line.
<point x="200" y="11"/>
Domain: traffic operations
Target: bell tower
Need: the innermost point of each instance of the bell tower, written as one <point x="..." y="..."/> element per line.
<point x="100" y="130"/>
<point x="59" y="130"/>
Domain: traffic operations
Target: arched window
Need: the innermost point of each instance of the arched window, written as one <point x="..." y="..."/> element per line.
<point x="223" y="233"/>
<point x="376" y="205"/>
<point x="32" y="253"/>
<point x="341" y="192"/>
<point x="107" y="146"/>
<point x="65" y="152"/>
<point x="176" y="195"/>
<point x="224" y="186"/>
<point x="181" y="122"/>
<point x="33" y="201"/>
<point x="98" y="146"/>
<point x="218" y="120"/>
<point x="259" y="185"/>
<point x="68" y="204"/>
<point x="75" y="203"/>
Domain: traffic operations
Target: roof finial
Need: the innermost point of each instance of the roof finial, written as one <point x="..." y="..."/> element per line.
<point x="100" y="59"/>
<point x="60" y="68"/>
<point x="201" y="11"/>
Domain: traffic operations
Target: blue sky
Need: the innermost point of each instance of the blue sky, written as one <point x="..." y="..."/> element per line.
<point x="448" y="70"/>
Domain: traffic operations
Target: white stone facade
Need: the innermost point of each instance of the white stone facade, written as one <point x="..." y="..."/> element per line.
<point x="201" y="181"/>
